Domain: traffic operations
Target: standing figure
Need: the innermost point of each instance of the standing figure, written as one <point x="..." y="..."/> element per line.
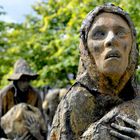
<point x="108" y="60"/>
<point x="50" y="103"/>
<point x="20" y="90"/>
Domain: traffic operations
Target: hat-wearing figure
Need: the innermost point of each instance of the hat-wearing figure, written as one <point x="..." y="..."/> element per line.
<point x="20" y="90"/>
<point x="108" y="59"/>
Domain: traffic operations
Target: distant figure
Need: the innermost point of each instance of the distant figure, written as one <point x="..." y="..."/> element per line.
<point x="105" y="80"/>
<point x="43" y="91"/>
<point x="50" y="103"/>
<point x="20" y="90"/>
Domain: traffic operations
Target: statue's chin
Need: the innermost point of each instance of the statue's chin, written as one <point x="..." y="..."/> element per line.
<point x="115" y="74"/>
<point x="113" y="70"/>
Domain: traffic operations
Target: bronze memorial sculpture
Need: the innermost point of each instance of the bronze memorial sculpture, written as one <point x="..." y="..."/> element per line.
<point x="20" y="90"/>
<point x="103" y="104"/>
<point x="17" y="92"/>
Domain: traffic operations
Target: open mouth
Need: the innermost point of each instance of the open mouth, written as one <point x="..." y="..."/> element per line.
<point x="113" y="54"/>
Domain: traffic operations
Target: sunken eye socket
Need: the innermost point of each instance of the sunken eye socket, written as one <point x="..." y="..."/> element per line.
<point x="99" y="34"/>
<point x="121" y="33"/>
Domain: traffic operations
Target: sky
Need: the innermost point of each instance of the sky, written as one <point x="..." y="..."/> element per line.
<point x="16" y="10"/>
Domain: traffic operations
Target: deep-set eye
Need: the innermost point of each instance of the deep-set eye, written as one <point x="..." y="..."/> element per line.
<point x="99" y="34"/>
<point x="121" y="33"/>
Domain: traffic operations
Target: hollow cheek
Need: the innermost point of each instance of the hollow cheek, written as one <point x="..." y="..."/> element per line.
<point x="95" y="47"/>
<point x="97" y="53"/>
<point x="125" y="54"/>
<point x="126" y="46"/>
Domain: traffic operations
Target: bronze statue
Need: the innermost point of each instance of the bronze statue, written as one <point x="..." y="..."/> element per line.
<point x="19" y="90"/>
<point x="105" y="82"/>
<point x="23" y="121"/>
<point x="51" y="102"/>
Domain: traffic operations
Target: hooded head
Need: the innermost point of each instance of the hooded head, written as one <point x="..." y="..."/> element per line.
<point x="108" y="50"/>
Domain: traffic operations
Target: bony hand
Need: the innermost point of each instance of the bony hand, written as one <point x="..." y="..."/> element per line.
<point x="34" y="128"/>
<point x="124" y="132"/>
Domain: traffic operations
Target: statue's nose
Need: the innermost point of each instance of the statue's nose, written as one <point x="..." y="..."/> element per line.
<point x="110" y="39"/>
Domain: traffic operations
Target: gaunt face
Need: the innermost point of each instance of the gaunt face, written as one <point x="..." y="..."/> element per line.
<point x="109" y="42"/>
<point x="23" y="84"/>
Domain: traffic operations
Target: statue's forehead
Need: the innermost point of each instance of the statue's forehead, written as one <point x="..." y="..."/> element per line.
<point x="110" y="19"/>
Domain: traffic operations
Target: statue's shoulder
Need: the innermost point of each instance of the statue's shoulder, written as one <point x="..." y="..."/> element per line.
<point x="75" y="111"/>
<point x="78" y="94"/>
<point x="9" y="88"/>
<point x="78" y="100"/>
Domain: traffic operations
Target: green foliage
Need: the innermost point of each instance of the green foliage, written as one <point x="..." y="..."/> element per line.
<point x="49" y="41"/>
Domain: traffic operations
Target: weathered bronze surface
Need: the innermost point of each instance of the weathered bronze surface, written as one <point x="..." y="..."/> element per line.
<point x="94" y="101"/>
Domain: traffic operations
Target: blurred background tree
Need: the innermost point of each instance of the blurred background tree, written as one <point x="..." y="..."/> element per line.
<point x="49" y="41"/>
